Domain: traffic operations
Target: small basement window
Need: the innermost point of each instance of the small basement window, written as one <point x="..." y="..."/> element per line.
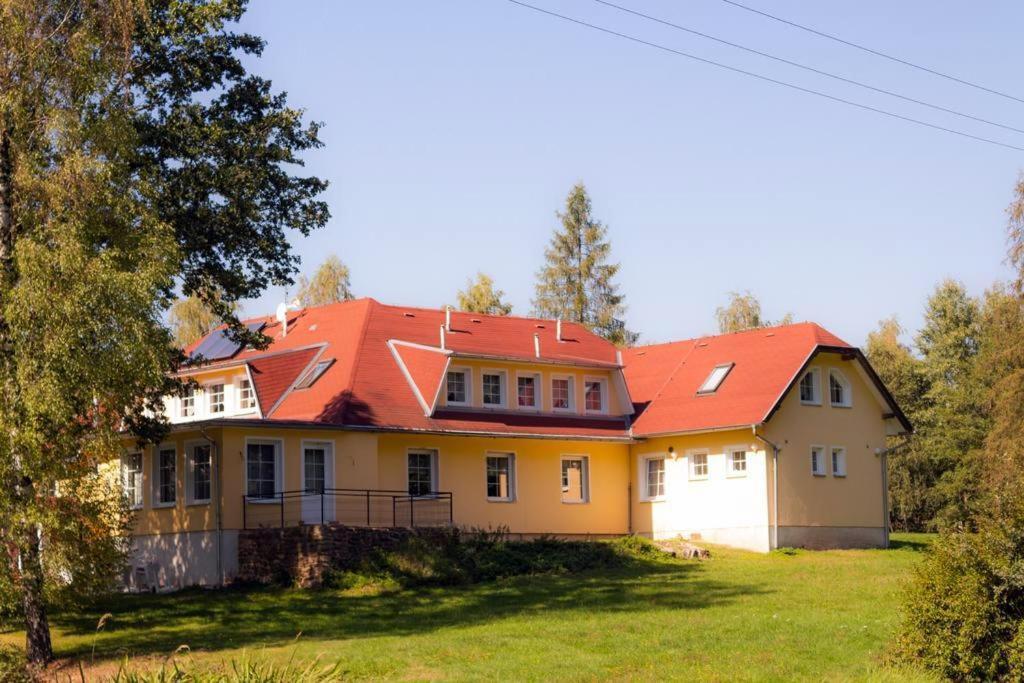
<point x="313" y="374"/>
<point x="715" y="379"/>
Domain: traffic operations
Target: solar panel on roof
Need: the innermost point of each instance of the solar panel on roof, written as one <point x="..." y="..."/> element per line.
<point x="218" y="346"/>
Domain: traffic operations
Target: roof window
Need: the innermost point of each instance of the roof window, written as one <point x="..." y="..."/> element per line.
<point x="313" y="374"/>
<point x="715" y="379"/>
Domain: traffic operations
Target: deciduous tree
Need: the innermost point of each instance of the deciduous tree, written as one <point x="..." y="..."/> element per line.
<point x="329" y="284"/>
<point x="480" y="296"/>
<point x="743" y="312"/>
<point x="191" y="319"/>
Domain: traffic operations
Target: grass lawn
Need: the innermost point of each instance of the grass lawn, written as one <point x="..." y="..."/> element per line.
<point x="739" y="615"/>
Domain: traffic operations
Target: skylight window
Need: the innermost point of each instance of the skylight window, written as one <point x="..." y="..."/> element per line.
<point x="314" y="374"/>
<point x="715" y="379"/>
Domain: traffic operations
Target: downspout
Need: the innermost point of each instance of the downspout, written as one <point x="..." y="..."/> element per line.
<point x="775" y="486"/>
<point x="217" y="504"/>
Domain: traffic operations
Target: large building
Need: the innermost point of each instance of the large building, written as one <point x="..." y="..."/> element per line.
<point x="366" y="414"/>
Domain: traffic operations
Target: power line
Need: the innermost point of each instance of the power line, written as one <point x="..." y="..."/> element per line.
<point x="767" y="79"/>
<point x="807" y="68"/>
<point x="869" y="50"/>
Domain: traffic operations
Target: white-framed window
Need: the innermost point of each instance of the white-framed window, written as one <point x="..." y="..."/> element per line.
<point x="131" y="475"/>
<point x="818" y="461"/>
<point x="698" y="465"/>
<point x="575" y="479"/>
<point x="528" y="391"/>
<point x="314" y="373"/>
<point x="715" y="378"/>
<point x="421" y="471"/>
<point x="458" y="387"/>
<point x="188" y="402"/>
<point x="165" y="479"/>
<point x="501" y="477"/>
<point x="263" y="469"/>
<point x="215" y="398"/>
<point x="198" y="473"/>
<point x="838" y="461"/>
<point x="736" y="461"/>
<point x="839" y="392"/>
<point x="562" y="397"/>
<point x="595" y="395"/>
<point x="810" y="387"/>
<point x="653" y="473"/>
<point x="492" y="388"/>
<point x="246" y="395"/>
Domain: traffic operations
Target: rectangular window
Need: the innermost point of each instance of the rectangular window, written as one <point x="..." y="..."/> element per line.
<point x="717" y="376"/>
<point x="818" y="461"/>
<point x="458" y="390"/>
<point x="737" y="462"/>
<point x="838" y="461"/>
<point x="166" y="479"/>
<point x="199" y="474"/>
<point x="500" y="476"/>
<point x="188" y="402"/>
<point x="561" y="393"/>
<point x="314" y="374"/>
<point x="246" y="395"/>
<point x="698" y="466"/>
<point x="132" y="476"/>
<point x="593" y="395"/>
<point x="809" y="387"/>
<point x="315" y="469"/>
<point x="575" y="484"/>
<point x="839" y="389"/>
<point x="655" y="485"/>
<point x="422" y="473"/>
<point x="526" y="391"/>
<point x="261" y="470"/>
<point x="494" y="390"/>
<point x="216" y="394"/>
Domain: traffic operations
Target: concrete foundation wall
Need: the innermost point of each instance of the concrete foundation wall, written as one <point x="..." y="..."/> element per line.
<point x="179" y="560"/>
<point x="822" y="537"/>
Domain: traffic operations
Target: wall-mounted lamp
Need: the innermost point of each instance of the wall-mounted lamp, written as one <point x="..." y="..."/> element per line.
<point x="672" y="452"/>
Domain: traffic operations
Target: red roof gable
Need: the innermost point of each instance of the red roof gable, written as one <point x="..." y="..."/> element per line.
<point x="272" y="375"/>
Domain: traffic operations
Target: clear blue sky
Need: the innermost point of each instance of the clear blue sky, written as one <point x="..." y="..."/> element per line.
<point x="454" y="129"/>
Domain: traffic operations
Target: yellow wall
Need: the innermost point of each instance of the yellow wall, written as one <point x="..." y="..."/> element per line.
<point x="855" y="500"/>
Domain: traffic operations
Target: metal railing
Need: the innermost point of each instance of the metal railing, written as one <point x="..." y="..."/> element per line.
<point x="352" y="507"/>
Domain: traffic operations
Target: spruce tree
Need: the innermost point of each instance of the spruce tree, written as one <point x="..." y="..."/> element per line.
<point x="577" y="280"/>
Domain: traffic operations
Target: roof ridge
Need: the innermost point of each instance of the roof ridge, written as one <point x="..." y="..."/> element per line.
<point x="361" y="345"/>
<point x="749" y="330"/>
<point x="485" y="315"/>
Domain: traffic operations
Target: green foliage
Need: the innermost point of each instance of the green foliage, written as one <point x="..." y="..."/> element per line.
<point x="12" y="665"/>
<point x="577" y="281"/>
<point x="743" y="312"/>
<point x="330" y="284"/>
<point x="480" y="296"/>
<point x="191" y="318"/>
<point x="245" y="669"/>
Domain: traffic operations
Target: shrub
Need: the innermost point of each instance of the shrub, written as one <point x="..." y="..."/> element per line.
<point x="12" y="665"/>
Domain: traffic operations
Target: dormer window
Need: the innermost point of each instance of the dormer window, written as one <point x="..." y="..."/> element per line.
<point x="527" y="391"/>
<point x="562" y="394"/>
<point x="810" y="387"/>
<point x="715" y="379"/>
<point x="246" y="396"/>
<point x="188" y="402"/>
<point x="594" y="393"/>
<point x="494" y="389"/>
<point x="216" y="394"/>
<point x="839" y="390"/>
<point x="457" y="392"/>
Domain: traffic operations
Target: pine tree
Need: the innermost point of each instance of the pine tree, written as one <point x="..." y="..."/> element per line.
<point x="480" y="296"/>
<point x="577" y="281"/>
<point x="330" y="284"/>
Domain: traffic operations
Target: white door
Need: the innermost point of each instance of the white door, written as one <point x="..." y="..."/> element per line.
<point x="317" y="479"/>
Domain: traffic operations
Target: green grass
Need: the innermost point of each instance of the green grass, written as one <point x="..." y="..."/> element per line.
<point x="739" y="615"/>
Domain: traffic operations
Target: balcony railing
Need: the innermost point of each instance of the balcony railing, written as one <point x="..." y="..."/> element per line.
<point x="353" y="507"/>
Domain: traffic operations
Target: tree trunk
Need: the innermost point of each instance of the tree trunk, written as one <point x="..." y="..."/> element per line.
<point x="38" y="647"/>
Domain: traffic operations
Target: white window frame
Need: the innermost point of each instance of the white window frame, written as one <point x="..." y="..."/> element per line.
<point x="330" y="475"/>
<point x="538" y="397"/>
<point x="691" y="466"/>
<point x="847" y="389"/>
<point x="468" y="372"/>
<point x="816" y="374"/>
<point x="730" y="452"/>
<point x="823" y="451"/>
<point x="503" y="386"/>
<point x="704" y="389"/>
<point x="645" y="492"/>
<point x="190" y="447"/>
<point x="155" y="469"/>
<point x="585" y="480"/>
<point x="238" y="395"/>
<point x="278" y="469"/>
<point x="511" y="456"/>
<point x="435" y="469"/>
<point x="839" y="472"/>
<point x="603" y="383"/>
<point x="196" y="393"/>
<point x="208" y="397"/>
<point x="572" y="393"/>
<point x="139" y="488"/>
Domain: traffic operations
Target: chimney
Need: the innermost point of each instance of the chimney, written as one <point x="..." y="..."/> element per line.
<point x="536" y="344"/>
<point x="448" y="318"/>
<point x="442" y="338"/>
<point x="558" y="329"/>
<point x="282" y="317"/>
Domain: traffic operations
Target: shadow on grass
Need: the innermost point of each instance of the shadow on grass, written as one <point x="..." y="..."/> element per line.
<point x="915" y="542"/>
<point x="244" y="617"/>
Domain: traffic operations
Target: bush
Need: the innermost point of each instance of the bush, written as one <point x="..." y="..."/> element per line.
<point x="964" y="607"/>
<point x="12" y="665"/>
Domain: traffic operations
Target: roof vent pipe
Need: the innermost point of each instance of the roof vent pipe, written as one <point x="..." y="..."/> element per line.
<point x="282" y="315"/>
<point x="448" y="318"/>
<point x="442" y="338"/>
<point x="558" y="329"/>
<point x="536" y="344"/>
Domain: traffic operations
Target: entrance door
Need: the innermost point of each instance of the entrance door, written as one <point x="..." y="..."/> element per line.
<point x="317" y="477"/>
